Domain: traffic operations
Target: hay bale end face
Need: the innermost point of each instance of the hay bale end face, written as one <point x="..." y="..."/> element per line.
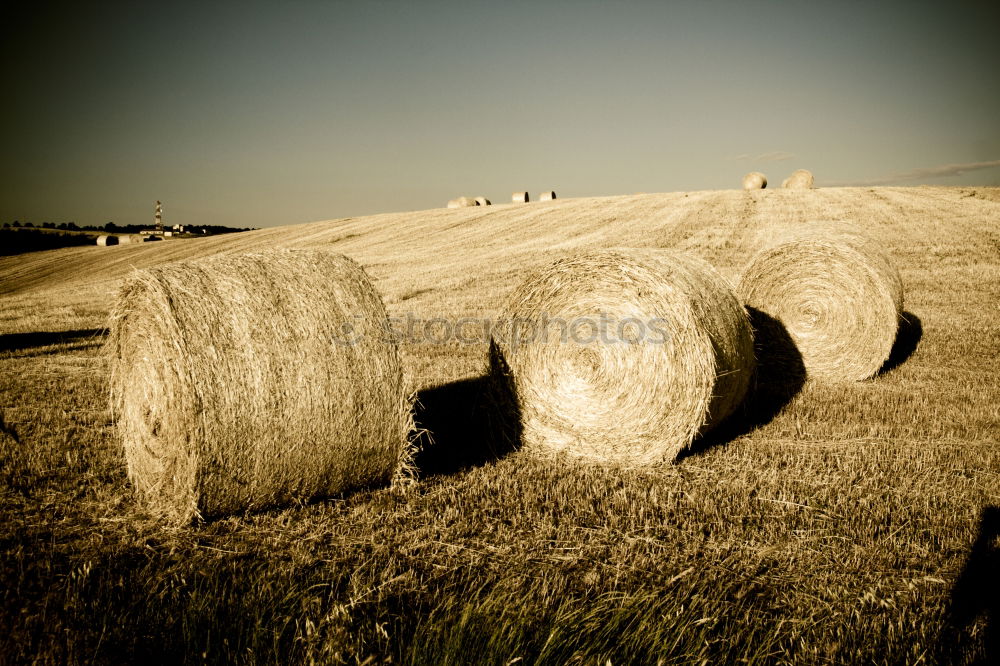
<point x="622" y="356"/>
<point x="519" y="197"/>
<point x="838" y="295"/>
<point x="244" y="382"/>
<point x="754" y="180"/>
<point x="482" y="201"/>
<point x="462" y="202"/>
<point x="800" y="179"/>
<point x="105" y="241"/>
<point x="547" y="196"/>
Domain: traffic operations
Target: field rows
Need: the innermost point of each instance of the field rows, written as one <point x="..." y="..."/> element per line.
<point x="846" y="524"/>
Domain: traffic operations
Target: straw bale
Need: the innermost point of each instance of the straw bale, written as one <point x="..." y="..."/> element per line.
<point x="754" y="180"/>
<point x="622" y="356"/>
<point x="836" y="292"/>
<point x="462" y="202"/>
<point x="243" y="382"/>
<point x="798" y="180"/>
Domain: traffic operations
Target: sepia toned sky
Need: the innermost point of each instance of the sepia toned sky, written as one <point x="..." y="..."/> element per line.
<point x="258" y="114"/>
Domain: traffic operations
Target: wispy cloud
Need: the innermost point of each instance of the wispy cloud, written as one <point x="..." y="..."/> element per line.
<point x="775" y="156"/>
<point x="921" y="174"/>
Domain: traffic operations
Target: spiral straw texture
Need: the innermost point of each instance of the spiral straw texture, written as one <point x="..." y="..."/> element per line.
<point x="250" y="381"/>
<point x="674" y="359"/>
<point x="838" y="295"/>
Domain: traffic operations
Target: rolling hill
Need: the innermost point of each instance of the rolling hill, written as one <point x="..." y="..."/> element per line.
<point x="852" y="523"/>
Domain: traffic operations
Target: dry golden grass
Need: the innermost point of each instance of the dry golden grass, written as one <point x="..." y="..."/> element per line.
<point x="847" y="523"/>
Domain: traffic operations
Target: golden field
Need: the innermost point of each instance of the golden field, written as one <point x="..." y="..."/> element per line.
<point x="852" y="523"/>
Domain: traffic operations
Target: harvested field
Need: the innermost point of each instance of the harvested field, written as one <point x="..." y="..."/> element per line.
<point x="825" y="523"/>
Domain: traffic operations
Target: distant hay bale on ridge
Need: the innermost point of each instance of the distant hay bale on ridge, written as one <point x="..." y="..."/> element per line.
<point x="519" y="197"/>
<point x="800" y="179"/>
<point x="243" y="382"/>
<point x="462" y="202"/>
<point x="547" y="196"/>
<point x="105" y="240"/>
<point x="838" y="295"/>
<point x="754" y="180"/>
<point x="621" y="356"/>
<point x="482" y="201"/>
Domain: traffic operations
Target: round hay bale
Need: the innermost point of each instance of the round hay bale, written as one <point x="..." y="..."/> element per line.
<point x="105" y="240"/>
<point x="519" y="197"/>
<point x="798" y="180"/>
<point x="462" y="202"/>
<point x="482" y="201"/>
<point x="838" y="295"/>
<point x="754" y="180"/>
<point x="547" y="196"/>
<point x="244" y="382"/>
<point x="622" y="356"/>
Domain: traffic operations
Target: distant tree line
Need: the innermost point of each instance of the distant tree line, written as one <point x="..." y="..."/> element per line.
<point x="112" y="228"/>
<point x="19" y="237"/>
<point x="28" y="239"/>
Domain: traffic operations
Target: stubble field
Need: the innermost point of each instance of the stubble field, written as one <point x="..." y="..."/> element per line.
<point x="850" y="523"/>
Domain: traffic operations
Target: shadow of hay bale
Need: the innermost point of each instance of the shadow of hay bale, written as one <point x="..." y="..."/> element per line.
<point x="911" y="330"/>
<point x="82" y="337"/>
<point x="976" y="595"/>
<point x="468" y="423"/>
<point x="779" y="377"/>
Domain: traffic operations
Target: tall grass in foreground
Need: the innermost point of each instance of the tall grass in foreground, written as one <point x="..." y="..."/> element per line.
<point x="766" y="550"/>
<point x="852" y="527"/>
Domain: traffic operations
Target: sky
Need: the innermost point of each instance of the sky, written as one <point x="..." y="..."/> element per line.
<point x="260" y="114"/>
